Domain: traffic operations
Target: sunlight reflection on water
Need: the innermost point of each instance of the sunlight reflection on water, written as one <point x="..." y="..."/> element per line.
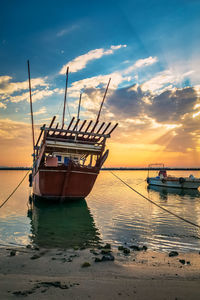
<point x="112" y="213"/>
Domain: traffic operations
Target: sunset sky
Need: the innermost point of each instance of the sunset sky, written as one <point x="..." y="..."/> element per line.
<point x="151" y="51"/>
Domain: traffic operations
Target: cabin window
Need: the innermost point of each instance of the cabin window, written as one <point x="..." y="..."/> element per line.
<point x="66" y="160"/>
<point x="59" y="157"/>
<point x="76" y="159"/>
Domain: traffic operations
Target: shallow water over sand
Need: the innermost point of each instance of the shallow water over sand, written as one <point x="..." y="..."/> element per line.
<point x="111" y="213"/>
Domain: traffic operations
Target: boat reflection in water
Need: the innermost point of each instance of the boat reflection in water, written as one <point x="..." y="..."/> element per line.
<point x="164" y="192"/>
<point x="67" y="225"/>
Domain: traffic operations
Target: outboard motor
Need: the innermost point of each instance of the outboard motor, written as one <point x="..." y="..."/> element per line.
<point x="181" y="180"/>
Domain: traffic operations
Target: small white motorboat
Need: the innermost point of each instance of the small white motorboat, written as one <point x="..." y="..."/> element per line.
<point x="165" y="180"/>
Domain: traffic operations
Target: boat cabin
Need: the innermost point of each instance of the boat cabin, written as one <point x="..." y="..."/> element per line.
<point x="60" y="147"/>
<point x="162" y="173"/>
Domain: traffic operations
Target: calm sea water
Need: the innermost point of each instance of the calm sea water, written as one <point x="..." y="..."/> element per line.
<point x="111" y="213"/>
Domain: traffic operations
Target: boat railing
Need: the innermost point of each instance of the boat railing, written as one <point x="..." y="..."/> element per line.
<point x="74" y="132"/>
<point x="76" y="140"/>
<point x="88" y="135"/>
<point x="83" y="147"/>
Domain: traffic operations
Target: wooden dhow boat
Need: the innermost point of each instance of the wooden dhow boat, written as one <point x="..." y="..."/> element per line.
<point x="67" y="161"/>
<point x="168" y="181"/>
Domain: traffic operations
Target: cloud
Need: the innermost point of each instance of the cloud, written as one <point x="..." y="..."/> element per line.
<point x="81" y="61"/>
<point x="10" y="130"/>
<point x="140" y="63"/>
<point x="163" y="80"/>
<point x="4" y="79"/>
<point x="127" y="101"/>
<point x="41" y="111"/>
<point x="67" y="30"/>
<point x="3" y="105"/>
<point x="170" y="106"/>
<point x="8" y="88"/>
<point x="166" y="119"/>
<point x="36" y="95"/>
<point x="183" y="139"/>
<point x="118" y="47"/>
<point x="97" y="81"/>
<point x="12" y="91"/>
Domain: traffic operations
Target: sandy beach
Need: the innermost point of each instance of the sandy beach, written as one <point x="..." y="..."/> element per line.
<point x="74" y="274"/>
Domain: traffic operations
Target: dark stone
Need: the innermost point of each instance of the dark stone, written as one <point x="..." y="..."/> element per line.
<point x="173" y="253"/>
<point x="126" y="251"/>
<point x="85" y="264"/>
<point x="69" y="259"/>
<point x="36" y="248"/>
<point x="74" y="255"/>
<point x="182" y="261"/>
<point x="28" y="246"/>
<point x="105" y="251"/>
<point x="108" y="258"/>
<point x="56" y="284"/>
<point x="107" y="246"/>
<point x="94" y="252"/>
<point x="82" y="248"/>
<point x="112" y="258"/>
<point x="97" y="259"/>
<point x="24" y="293"/>
<point x="144" y="248"/>
<point x="20" y="293"/>
<point x="12" y="252"/>
<point x="63" y="259"/>
<point x="36" y="256"/>
<point x="135" y="248"/>
<point x="188" y="263"/>
<point x="121" y="248"/>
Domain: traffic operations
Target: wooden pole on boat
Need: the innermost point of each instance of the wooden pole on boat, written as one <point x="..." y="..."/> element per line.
<point x="31" y="107"/>
<point x="103" y="100"/>
<point x="79" y="105"/>
<point x="65" y="97"/>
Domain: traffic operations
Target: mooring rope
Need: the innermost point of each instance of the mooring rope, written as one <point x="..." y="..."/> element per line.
<point x="166" y="210"/>
<point x="15" y="189"/>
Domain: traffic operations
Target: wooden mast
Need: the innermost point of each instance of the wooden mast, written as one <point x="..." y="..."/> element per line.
<point x="79" y="105"/>
<point x="65" y="97"/>
<point x="103" y="100"/>
<point x="31" y="107"/>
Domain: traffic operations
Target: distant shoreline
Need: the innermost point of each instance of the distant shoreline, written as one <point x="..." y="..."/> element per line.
<point x="112" y="169"/>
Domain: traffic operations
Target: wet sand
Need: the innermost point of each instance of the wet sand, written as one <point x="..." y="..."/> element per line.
<point x="59" y="274"/>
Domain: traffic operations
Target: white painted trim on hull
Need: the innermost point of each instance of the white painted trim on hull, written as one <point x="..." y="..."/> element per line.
<point x="174" y="184"/>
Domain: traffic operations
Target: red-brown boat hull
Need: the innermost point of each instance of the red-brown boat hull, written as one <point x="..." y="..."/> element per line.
<point x="57" y="183"/>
